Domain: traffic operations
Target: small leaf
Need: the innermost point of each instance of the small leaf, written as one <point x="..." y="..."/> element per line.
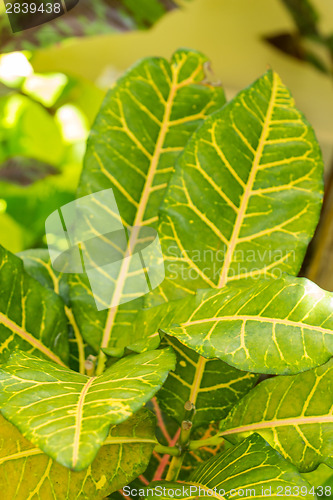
<point x="68" y="415"/>
<point x="32" y="318"/>
<point x="294" y="414"/>
<point x="278" y="326"/>
<point x="252" y="470"/>
<point x="246" y="195"/>
<point x="123" y="456"/>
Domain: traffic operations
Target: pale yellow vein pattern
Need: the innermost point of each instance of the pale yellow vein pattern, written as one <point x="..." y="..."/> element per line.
<point x="252" y="467"/>
<point x="134" y="439"/>
<point x="195" y="379"/>
<point x="270" y="326"/>
<point x="246" y="196"/>
<point x="295" y="414"/>
<point x="149" y="186"/>
<point x="32" y="318"/>
<point x="68" y="415"/>
<point x="37" y="263"/>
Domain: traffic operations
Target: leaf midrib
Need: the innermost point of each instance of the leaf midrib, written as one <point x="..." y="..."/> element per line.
<point x="248" y="189"/>
<point x="108" y="442"/>
<point x="260" y="319"/>
<point x="79" y="418"/>
<point x="292" y="421"/>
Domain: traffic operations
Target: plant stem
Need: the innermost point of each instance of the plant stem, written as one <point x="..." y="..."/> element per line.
<point x="174" y="468"/>
<point x="167" y="450"/>
<point x="101" y="363"/>
<point x="200" y="443"/>
<point x="184" y="439"/>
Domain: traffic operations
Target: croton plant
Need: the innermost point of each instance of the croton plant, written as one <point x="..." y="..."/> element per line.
<point x="219" y="381"/>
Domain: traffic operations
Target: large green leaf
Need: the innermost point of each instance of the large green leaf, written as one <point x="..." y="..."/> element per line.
<point x="143" y="125"/>
<point x="87" y="19"/>
<point x="251" y="470"/>
<point x="32" y="318"/>
<point x="293" y="413"/>
<point x="246" y="195"/>
<point x="124" y="455"/>
<point x="278" y="326"/>
<point x="68" y="415"/>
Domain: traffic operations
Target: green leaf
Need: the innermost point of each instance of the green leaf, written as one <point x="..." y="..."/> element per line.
<point x="32" y="318"/>
<point x="68" y="415"/>
<point x="144" y="123"/>
<point x="37" y="263"/>
<point x="88" y="19"/>
<point x="211" y="385"/>
<point x="246" y="195"/>
<point x="123" y="456"/>
<point x="293" y="413"/>
<point x="27" y="129"/>
<point x="251" y="470"/>
<point x="278" y="326"/>
<point x="319" y="476"/>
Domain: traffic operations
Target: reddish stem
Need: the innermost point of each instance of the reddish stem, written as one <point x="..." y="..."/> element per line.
<point x="160" y="422"/>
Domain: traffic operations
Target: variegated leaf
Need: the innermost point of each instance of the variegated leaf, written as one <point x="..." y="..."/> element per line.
<point x="32" y="318"/>
<point x="294" y="414"/>
<point x="252" y="470"/>
<point x="144" y="123"/>
<point x="212" y="386"/>
<point x="123" y="456"/>
<point x="278" y="326"/>
<point x="246" y="195"/>
<point x="68" y="415"/>
<point x="37" y="263"/>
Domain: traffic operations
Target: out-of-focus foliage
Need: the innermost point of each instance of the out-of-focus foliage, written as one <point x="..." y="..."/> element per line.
<point x="90" y="18"/>
<point x="306" y="42"/>
<point x="44" y="119"/>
